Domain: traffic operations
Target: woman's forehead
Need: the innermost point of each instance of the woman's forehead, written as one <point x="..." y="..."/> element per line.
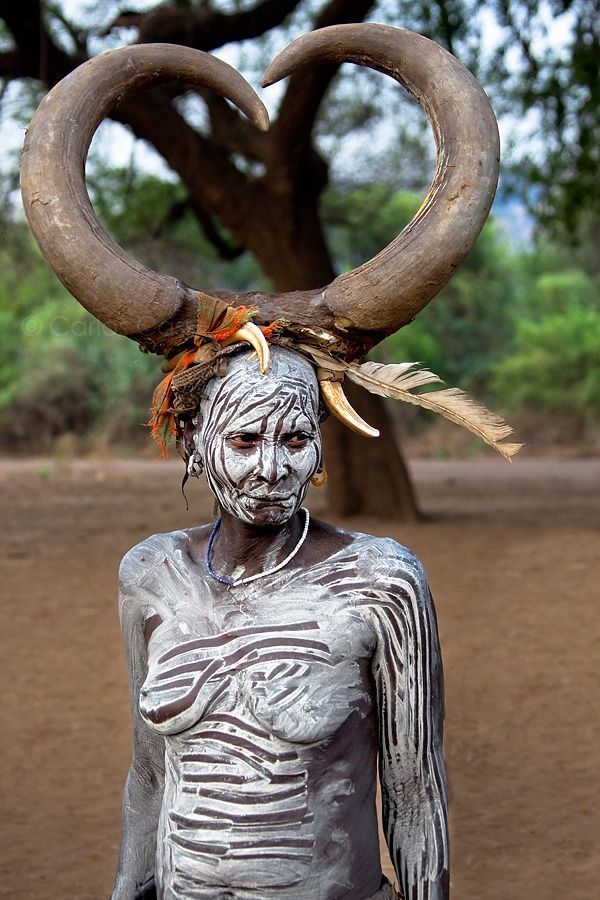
<point x="266" y="404"/>
<point x="286" y="407"/>
<point x="289" y="387"/>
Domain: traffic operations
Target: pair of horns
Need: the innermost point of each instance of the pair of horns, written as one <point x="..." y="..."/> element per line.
<point x="361" y="306"/>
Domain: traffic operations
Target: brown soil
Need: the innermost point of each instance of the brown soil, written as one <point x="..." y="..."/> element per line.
<point x="512" y="555"/>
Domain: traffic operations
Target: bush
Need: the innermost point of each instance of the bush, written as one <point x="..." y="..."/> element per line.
<point x="470" y="324"/>
<point x="518" y="329"/>
<point x="61" y="370"/>
<point x="555" y="366"/>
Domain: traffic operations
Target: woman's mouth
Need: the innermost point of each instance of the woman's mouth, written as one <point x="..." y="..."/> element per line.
<point x="268" y="499"/>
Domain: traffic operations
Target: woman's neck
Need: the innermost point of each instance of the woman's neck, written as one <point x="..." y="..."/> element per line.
<point x="241" y="549"/>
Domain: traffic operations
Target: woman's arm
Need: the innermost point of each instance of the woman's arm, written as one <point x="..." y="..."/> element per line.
<point x="145" y="781"/>
<point x="408" y="673"/>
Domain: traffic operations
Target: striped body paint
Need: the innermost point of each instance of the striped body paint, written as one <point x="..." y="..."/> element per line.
<point x="260" y="708"/>
<point x="272" y="706"/>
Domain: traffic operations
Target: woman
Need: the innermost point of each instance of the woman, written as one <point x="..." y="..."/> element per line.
<point x="270" y="658"/>
<point x="273" y="657"/>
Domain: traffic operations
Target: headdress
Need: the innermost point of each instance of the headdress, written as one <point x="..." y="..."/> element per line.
<point x="334" y="326"/>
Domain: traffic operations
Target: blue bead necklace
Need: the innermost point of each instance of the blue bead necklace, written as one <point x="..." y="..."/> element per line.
<point x="229" y="582"/>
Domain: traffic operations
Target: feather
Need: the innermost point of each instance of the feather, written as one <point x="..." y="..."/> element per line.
<point x="397" y="381"/>
<point x="391" y="380"/>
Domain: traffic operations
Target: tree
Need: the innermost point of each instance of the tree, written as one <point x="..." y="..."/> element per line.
<point x="558" y="90"/>
<point x="263" y="193"/>
<point x="268" y="205"/>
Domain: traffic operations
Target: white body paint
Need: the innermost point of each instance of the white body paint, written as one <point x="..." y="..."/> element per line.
<point x="270" y="477"/>
<point x="259" y="709"/>
<point x="248" y="702"/>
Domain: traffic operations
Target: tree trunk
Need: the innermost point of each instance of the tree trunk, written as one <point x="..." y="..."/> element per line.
<point x="367" y="476"/>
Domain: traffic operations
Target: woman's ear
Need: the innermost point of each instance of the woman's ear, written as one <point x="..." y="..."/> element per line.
<point x="188" y="445"/>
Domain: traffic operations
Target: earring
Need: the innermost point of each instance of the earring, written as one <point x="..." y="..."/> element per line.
<point x="320" y="477"/>
<point x="194" y="465"/>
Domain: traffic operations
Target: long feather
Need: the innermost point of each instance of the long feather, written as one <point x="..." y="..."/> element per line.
<point x="390" y="380"/>
<point x="397" y="381"/>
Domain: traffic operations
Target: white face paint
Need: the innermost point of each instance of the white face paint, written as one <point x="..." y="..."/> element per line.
<point x="259" y="437"/>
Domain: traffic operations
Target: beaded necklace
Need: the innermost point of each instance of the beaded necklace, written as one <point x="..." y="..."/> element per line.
<point x="230" y="582"/>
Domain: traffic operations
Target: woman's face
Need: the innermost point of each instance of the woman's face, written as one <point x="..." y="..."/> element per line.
<point x="260" y="439"/>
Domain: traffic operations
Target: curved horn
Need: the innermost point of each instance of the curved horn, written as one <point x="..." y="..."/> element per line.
<point x="114" y="287"/>
<point x="386" y="292"/>
<point x="251" y="334"/>
<point x="338" y="405"/>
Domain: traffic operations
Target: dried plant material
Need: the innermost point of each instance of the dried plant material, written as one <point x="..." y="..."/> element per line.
<point x="391" y="380"/>
<point x="398" y="382"/>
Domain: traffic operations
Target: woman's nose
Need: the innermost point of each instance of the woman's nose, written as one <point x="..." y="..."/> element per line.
<point x="274" y="464"/>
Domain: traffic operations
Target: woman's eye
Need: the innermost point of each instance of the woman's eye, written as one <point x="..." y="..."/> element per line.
<point x="297" y="439"/>
<point x="244" y="440"/>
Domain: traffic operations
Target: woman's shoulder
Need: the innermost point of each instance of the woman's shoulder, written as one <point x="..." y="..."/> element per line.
<point x="390" y="566"/>
<point x="387" y="552"/>
<point x="383" y="549"/>
<point x="144" y="558"/>
<point x="380" y="560"/>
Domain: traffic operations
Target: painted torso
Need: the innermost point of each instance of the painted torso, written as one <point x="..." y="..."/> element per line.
<point x="274" y="699"/>
<point x="265" y="696"/>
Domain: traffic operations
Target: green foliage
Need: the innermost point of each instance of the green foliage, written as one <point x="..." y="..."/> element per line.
<point x="556" y="365"/>
<point x="520" y="328"/>
<point x="555" y="291"/>
<point x="564" y="90"/>
<point x="553" y="365"/>
<point x="60" y="370"/>
<point x="362" y="220"/>
<point x="123" y="196"/>
<point x="154" y="220"/>
<point x="469" y="326"/>
<point x="539" y="61"/>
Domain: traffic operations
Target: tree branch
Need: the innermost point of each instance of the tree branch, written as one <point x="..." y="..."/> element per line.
<point x="37" y="56"/>
<point x="231" y="130"/>
<point x="275" y="217"/>
<point x="10" y="65"/>
<point x="293" y="128"/>
<point x="224" y="192"/>
<point x="521" y="37"/>
<point x="78" y="37"/>
<point x="204" y="28"/>
<point x="224" y="248"/>
<point x="127" y="18"/>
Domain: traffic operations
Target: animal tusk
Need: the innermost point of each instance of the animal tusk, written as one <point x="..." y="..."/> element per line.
<point x="251" y="334"/>
<point x="337" y="404"/>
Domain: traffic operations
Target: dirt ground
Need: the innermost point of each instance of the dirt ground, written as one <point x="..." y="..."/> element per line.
<point x="512" y="554"/>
